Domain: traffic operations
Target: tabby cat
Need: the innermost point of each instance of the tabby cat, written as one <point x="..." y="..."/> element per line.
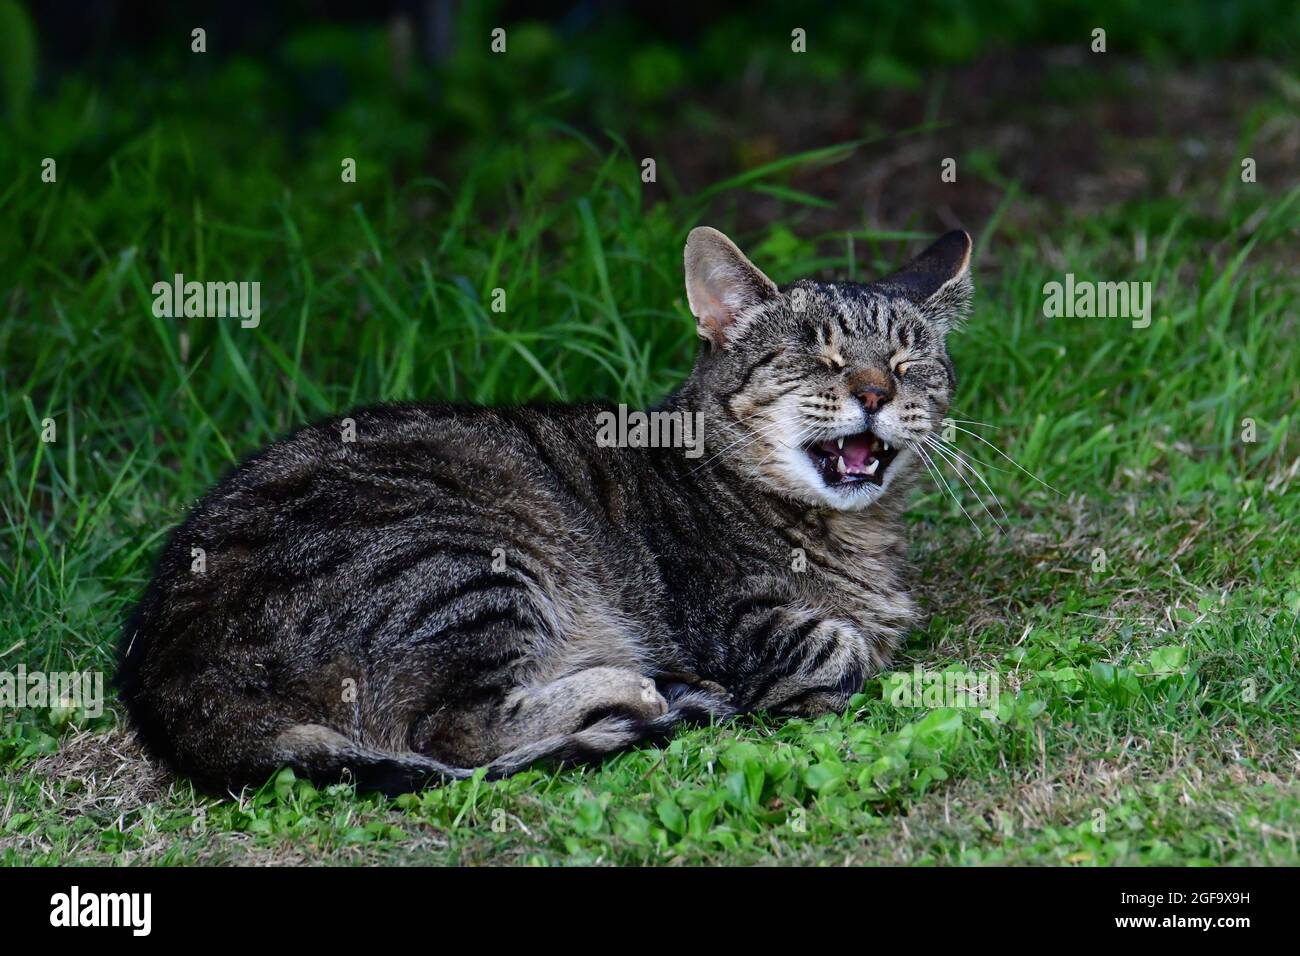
<point x="461" y="587"/>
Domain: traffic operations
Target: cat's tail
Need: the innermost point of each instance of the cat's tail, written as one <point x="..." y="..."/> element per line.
<point x="326" y="756"/>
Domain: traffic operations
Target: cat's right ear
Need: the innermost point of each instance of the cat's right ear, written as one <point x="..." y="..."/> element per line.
<point x="938" y="280"/>
<point x="720" y="285"/>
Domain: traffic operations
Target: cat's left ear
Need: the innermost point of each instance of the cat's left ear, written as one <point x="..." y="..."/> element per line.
<point x="938" y="280"/>
<point x="721" y="284"/>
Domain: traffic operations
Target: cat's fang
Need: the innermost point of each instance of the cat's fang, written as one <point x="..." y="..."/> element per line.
<point x="871" y="468"/>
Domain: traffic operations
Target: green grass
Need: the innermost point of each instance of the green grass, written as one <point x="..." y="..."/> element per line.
<point x="1149" y="712"/>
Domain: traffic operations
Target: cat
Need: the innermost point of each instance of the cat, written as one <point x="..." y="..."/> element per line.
<point x="465" y="587"/>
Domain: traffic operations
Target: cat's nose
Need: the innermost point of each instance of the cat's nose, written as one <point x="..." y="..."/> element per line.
<point x="874" y="397"/>
<point x="872" y="387"/>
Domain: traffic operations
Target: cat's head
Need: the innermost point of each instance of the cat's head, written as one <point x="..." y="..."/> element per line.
<point x="824" y="391"/>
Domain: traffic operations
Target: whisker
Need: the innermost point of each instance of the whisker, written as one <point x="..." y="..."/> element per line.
<point x="935" y="471"/>
<point x="967" y="421"/>
<point x="800" y="437"/>
<point x="979" y="461"/>
<point x="1008" y="458"/>
<point x="752" y="436"/>
<point x="959" y="465"/>
<point x="759" y="433"/>
<point x="961" y="454"/>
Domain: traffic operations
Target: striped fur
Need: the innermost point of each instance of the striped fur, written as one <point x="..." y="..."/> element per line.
<point x="466" y="587"/>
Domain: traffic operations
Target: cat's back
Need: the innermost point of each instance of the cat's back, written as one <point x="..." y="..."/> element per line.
<point x="340" y="499"/>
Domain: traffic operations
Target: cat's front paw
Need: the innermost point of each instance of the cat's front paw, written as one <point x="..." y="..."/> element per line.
<point x="676" y="686"/>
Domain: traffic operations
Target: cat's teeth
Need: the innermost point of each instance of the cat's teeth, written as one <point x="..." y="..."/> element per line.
<point x="871" y="468"/>
<point x="840" y="441"/>
<point x="840" y="466"/>
<point x="886" y="446"/>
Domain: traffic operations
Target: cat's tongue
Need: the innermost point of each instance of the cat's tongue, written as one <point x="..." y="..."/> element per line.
<point x="856" y="451"/>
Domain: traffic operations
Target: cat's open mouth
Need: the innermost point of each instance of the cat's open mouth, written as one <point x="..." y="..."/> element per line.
<point x="852" y="459"/>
